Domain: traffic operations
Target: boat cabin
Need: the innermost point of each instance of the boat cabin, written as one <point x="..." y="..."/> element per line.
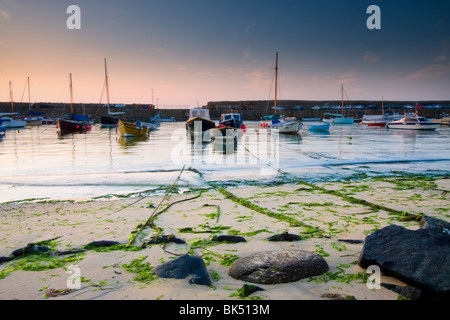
<point x="202" y="113"/>
<point x="230" y="116"/>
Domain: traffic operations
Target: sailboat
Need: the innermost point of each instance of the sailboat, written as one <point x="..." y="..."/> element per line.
<point x="288" y="126"/>
<point x="6" y="120"/>
<point x="111" y="120"/>
<point x="77" y="122"/>
<point x="380" y="120"/>
<point x="338" y="118"/>
<point x="31" y="121"/>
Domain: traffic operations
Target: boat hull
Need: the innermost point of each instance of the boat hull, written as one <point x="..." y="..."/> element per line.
<point x="319" y="127"/>
<point x="109" y="121"/>
<point x="132" y="129"/>
<point x="339" y="120"/>
<point x="199" y="124"/>
<point x="9" y="123"/>
<point x="292" y="127"/>
<point x="374" y="123"/>
<point x="413" y="126"/>
<point x="69" y="126"/>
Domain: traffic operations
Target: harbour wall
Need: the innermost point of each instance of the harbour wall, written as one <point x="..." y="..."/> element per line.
<point x="250" y="110"/>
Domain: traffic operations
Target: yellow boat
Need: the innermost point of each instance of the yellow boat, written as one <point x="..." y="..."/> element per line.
<point x="132" y="129"/>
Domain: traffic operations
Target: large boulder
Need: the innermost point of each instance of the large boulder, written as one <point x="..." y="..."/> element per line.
<point x="418" y="257"/>
<point x="186" y="266"/>
<point x="271" y="267"/>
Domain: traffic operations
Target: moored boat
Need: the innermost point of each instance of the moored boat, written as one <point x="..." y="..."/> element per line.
<point x="10" y="123"/>
<point x="199" y="121"/>
<point x="287" y="127"/>
<point x="112" y="119"/>
<point x="158" y="118"/>
<point x="322" y="127"/>
<point x="414" y="122"/>
<point x="132" y="129"/>
<point x="338" y="118"/>
<point x="77" y="122"/>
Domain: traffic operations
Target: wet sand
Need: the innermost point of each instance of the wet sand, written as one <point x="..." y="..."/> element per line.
<point x="253" y="212"/>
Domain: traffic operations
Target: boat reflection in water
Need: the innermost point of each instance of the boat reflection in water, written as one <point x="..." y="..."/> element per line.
<point x="127" y="141"/>
<point x="225" y="140"/>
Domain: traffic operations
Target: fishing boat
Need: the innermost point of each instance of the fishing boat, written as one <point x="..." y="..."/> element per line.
<point x="132" y="129"/>
<point x="230" y="121"/>
<point x="112" y="119"/>
<point x="231" y="126"/>
<point x="199" y="121"/>
<point x="77" y="122"/>
<point x="338" y="118"/>
<point x="414" y="122"/>
<point x="281" y="125"/>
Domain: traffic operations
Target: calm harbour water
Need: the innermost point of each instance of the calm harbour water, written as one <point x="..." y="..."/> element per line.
<point x="36" y="163"/>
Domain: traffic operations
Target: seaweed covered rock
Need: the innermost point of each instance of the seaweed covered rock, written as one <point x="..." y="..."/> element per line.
<point x="271" y="267"/>
<point x="158" y="239"/>
<point x="29" y="249"/>
<point x="420" y="257"/>
<point x="100" y="244"/>
<point x="186" y="266"/>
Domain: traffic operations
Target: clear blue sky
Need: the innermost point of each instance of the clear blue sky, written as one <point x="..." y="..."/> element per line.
<point x="194" y="51"/>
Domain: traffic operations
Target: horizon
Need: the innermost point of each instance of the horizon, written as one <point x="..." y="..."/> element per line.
<point x="176" y="53"/>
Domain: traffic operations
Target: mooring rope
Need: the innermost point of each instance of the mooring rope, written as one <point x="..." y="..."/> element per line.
<point x="157" y="207"/>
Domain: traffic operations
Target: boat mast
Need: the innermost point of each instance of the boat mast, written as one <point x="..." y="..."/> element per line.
<point x="276" y="83"/>
<point x="71" y="94"/>
<point x="342" y="98"/>
<point x="11" y="96"/>
<point x="382" y="105"/>
<point x="29" y="96"/>
<point x="107" y="86"/>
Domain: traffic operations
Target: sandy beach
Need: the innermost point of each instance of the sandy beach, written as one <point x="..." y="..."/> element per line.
<point x="335" y="210"/>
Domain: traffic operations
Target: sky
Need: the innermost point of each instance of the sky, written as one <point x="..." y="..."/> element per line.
<point x="187" y="52"/>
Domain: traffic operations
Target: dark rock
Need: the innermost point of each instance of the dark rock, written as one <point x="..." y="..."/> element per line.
<point x="285" y="237"/>
<point x="408" y="292"/>
<point x="420" y="257"/>
<point x="272" y="267"/>
<point x="184" y="267"/>
<point x="5" y="259"/>
<point x="353" y="241"/>
<point x="228" y="238"/>
<point x="29" y="249"/>
<point x="74" y="251"/>
<point x="248" y="289"/>
<point x="165" y="239"/>
<point x="100" y="244"/>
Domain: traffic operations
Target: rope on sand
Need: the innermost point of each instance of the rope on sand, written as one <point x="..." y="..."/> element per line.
<point x="149" y="220"/>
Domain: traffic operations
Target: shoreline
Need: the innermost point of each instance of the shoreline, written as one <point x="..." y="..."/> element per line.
<point x="340" y="210"/>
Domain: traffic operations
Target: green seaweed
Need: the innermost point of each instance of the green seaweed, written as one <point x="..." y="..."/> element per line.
<point x="144" y="271"/>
